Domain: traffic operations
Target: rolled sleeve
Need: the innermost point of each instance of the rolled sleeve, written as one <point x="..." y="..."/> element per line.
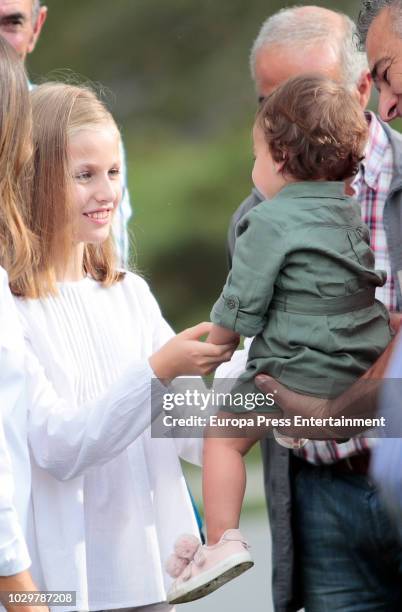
<point x="258" y="256"/>
<point x="226" y="313"/>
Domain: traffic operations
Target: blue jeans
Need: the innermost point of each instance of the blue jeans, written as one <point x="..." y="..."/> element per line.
<point x="347" y="548"/>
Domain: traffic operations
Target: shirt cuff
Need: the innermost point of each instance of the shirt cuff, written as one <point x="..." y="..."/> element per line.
<point x="227" y="313"/>
<point x="14" y="557"/>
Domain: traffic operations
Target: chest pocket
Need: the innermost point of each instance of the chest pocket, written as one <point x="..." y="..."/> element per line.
<point x="359" y="240"/>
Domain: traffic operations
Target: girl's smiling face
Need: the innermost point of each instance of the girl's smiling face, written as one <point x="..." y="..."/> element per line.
<point x="94" y="158"/>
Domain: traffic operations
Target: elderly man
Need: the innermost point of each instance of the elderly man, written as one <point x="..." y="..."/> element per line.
<point x="334" y="547"/>
<point x="21" y="23"/>
<point x="380" y="30"/>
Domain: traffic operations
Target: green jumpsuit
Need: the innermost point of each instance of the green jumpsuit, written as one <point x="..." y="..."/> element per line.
<point x="303" y="283"/>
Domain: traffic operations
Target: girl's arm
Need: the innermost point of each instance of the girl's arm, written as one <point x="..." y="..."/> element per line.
<point x="18" y="582"/>
<point x="67" y="439"/>
<point x="14" y="557"/>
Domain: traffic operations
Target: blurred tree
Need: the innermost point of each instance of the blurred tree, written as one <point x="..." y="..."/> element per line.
<point x="179" y="73"/>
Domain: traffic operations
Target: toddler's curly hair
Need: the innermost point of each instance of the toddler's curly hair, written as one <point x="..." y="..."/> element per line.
<point x="316" y="127"/>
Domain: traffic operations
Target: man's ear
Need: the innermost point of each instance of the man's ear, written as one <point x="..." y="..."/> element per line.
<point x="38" y="28"/>
<point x="364" y="87"/>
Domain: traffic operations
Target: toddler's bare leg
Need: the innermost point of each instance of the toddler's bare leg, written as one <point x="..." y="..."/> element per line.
<point x="224" y="480"/>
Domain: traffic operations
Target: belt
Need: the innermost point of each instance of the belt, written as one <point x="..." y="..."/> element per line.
<point x="357" y="464"/>
<point x="316" y="305"/>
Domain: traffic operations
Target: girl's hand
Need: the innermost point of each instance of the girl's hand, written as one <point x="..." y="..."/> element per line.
<point x="185" y="354"/>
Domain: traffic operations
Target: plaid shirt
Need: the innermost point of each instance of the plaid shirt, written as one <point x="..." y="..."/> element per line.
<point x="371" y="187"/>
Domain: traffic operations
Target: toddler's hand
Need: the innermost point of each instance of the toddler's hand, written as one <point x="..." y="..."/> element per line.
<point x="185" y="354"/>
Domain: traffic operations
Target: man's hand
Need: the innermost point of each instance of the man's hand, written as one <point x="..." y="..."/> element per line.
<point x="359" y="401"/>
<point x="294" y="404"/>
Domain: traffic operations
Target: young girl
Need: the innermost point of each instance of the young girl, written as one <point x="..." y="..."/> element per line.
<point x="107" y="500"/>
<point x="302" y="283"/>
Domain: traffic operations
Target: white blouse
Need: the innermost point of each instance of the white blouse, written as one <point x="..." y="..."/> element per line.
<point x="14" y="457"/>
<point x="108" y="500"/>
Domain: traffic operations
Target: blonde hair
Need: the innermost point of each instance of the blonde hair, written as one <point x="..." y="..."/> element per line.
<point x="16" y="242"/>
<point x="60" y="111"/>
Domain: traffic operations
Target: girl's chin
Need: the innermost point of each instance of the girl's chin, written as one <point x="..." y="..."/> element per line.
<point x="95" y="237"/>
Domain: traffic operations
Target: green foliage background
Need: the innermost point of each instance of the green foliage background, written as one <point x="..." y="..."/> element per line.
<point x="182" y="93"/>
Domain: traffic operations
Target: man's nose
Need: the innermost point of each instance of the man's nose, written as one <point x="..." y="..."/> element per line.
<point x="388" y="106"/>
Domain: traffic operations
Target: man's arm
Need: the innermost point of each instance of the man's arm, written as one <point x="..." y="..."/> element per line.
<point x="359" y="401"/>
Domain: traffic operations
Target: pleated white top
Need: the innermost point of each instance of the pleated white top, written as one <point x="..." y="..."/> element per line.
<point x="108" y="500"/>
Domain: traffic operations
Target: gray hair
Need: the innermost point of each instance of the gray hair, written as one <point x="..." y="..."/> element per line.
<point x="35" y="10"/>
<point x="370" y="10"/>
<point x="296" y="28"/>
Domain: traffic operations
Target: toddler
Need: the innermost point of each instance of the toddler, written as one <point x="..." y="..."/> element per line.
<point x="302" y="283"/>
